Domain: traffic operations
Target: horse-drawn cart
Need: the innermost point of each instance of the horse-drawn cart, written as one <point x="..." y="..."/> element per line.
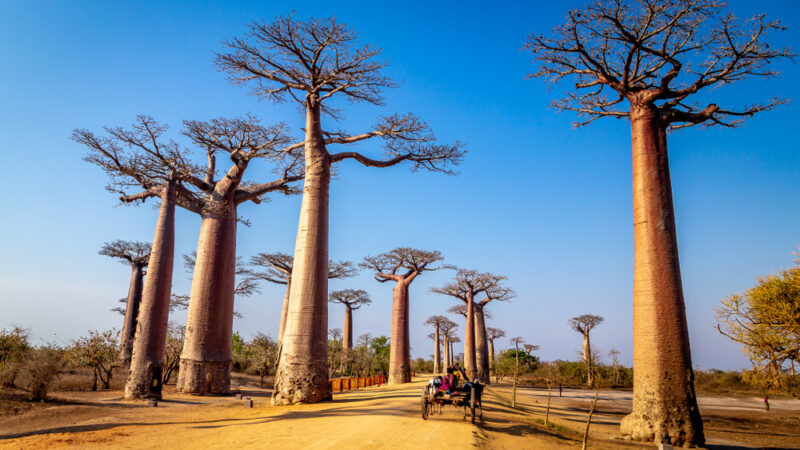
<point x="469" y="400"/>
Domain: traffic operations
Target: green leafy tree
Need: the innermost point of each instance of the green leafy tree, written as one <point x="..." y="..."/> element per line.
<point x="765" y="320"/>
<point x="262" y="351"/>
<point x="381" y="346"/>
<point x="98" y="351"/>
<point x="506" y="361"/>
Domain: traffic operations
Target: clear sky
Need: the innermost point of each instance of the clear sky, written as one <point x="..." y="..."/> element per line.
<point x="537" y="200"/>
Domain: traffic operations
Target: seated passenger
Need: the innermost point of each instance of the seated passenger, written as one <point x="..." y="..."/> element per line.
<point x="448" y="382"/>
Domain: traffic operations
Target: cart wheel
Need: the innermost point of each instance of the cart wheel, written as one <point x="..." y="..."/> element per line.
<point x="472" y="403"/>
<point x="425" y="406"/>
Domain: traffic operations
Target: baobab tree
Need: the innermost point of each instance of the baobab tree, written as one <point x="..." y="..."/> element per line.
<point x="135" y="254"/>
<point x="583" y="325"/>
<point x="516" y="341"/>
<point x="467" y="285"/>
<point x="481" y="347"/>
<point x="335" y="334"/>
<point x="482" y="354"/>
<point x="313" y="62"/>
<point x="437" y="322"/>
<point x="141" y="165"/>
<point x="448" y="329"/>
<point x="614" y="354"/>
<point x="530" y="348"/>
<point x="491" y="335"/>
<point x="402" y="266"/>
<point x="352" y="299"/>
<point x="453" y="339"/>
<point x="207" y="352"/>
<point x="657" y="55"/>
<point x="277" y="268"/>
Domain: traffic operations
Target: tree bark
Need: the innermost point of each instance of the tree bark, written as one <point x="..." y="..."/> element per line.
<point x="285" y="310"/>
<point x="131" y="312"/>
<point x="399" y="352"/>
<point x="491" y="354"/>
<point x="347" y="338"/>
<point x="437" y="358"/>
<point x="151" y="326"/>
<point x="469" y="339"/>
<point x="446" y="348"/>
<point x="664" y="400"/>
<point x="452" y="357"/>
<point x="302" y="375"/>
<point x="481" y="347"/>
<point x="587" y="358"/>
<point x="207" y="350"/>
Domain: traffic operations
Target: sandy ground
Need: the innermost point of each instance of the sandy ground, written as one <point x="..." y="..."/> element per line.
<point x="729" y="421"/>
<point x="376" y="417"/>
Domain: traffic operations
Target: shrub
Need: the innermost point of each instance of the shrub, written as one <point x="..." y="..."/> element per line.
<point x="41" y="371"/>
<point x="14" y="348"/>
<point x="99" y="352"/>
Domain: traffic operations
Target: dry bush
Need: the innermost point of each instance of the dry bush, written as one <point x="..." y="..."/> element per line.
<point x="98" y="351"/>
<point x="40" y="374"/>
<point x="14" y="348"/>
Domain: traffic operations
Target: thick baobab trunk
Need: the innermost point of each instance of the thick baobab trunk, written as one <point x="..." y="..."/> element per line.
<point x="469" y="340"/>
<point x="285" y="310"/>
<point x="452" y="356"/>
<point x="347" y="337"/>
<point x="147" y="360"/>
<point x="131" y="311"/>
<point x="664" y="401"/>
<point x="587" y="358"/>
<point x="399" y="352"/>
<point x="437" y="357"/>
<point x="481" y="347"/>
<point x="302" y="375"/>
<point x="206" y="357"/>
<point x="491" y="354"/>
<point x="446" y="348"/>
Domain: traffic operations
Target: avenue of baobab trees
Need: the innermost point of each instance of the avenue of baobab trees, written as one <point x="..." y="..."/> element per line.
<point x="638" y="60"/>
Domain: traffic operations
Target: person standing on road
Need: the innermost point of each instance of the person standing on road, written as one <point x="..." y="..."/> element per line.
<point x="560" y="390"/>
<point x="766" y="402"/>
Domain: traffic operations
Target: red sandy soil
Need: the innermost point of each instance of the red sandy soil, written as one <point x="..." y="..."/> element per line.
<point x="376" y="417"/>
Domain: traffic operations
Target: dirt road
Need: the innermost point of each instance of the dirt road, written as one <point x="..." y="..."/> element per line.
<point x="377" y="417"/>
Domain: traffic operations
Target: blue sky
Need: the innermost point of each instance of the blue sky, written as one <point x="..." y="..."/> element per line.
<point x="537" y="200"/>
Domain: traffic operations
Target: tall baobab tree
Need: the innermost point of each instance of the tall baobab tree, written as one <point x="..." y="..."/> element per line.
<point x="314" y="61"/>
<point x="657" y="55"/>
<point x="402" y="266"/>
<point x="491" y="335"/>
<point x="207" y="352"/>
<point x="448" y="328"/>
<point x="135" y="254"/>
<point x="453" y="339"/>
<point x="614" y="354"/>
<point x="277" y="268"/>
<point x="530" y="348"/>
<point x="482" y="353"/>
<point x="437" y="322"/>
<point x="583" y="324"/>
<point x="352" y="299"/>
<point x="141" y="165"/>
<point x="481" y="346"/>
<point x="467" y="285"/>
<point x="516" y="341"/>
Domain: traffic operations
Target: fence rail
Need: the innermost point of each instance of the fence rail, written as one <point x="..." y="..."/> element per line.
<point x="351" y="384"/>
